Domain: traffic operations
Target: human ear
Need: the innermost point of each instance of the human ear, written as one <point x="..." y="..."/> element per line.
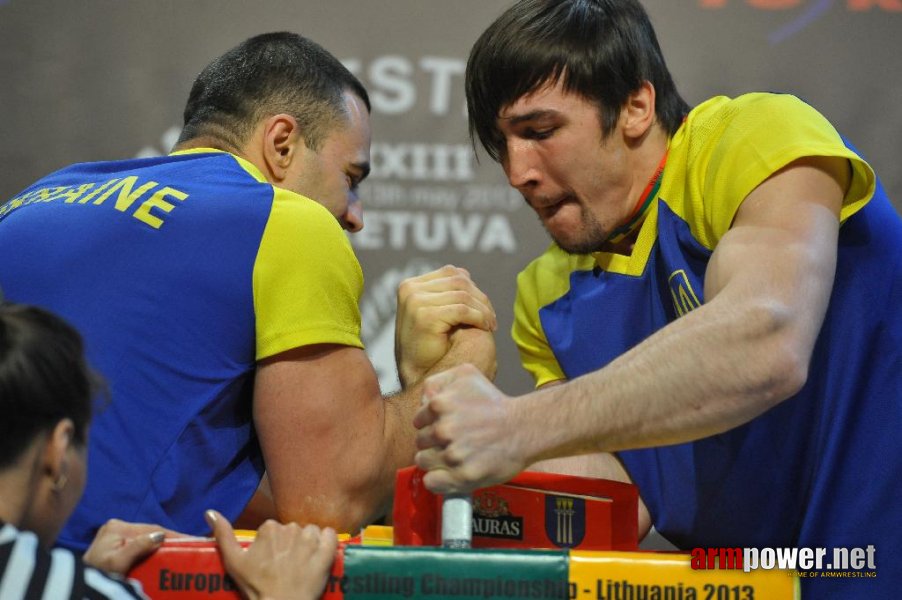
<point x="56" y="454"/>
<point x="281" y="137"/>
<point x="638" y="114"/>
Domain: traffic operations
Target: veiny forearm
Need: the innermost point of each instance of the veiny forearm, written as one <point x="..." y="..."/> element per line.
<point x="710" y="371"/>
<point x="767" y="284"/>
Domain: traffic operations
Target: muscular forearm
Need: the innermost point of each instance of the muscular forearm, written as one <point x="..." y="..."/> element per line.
<point x="468" y="345"/>
<point x="767" y="284"/>
<point x="353" y="483"/>
<point x="708" y="372"/>
<point x="354" y="440"/>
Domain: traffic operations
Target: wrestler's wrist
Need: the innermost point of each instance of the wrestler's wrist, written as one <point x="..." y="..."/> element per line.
<point x="528" y="438"/>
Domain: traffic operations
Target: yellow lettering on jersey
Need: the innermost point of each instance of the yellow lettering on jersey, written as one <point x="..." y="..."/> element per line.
<point x="33" y="196"/>
<point x="157" y="201"/>
<point x="21" y="197"/>
<point x="104" y="186"/>
<point x="126" y="196"/>
<point x="47" y="194"/>
<point x="74" y="193"/>
<point x="39" y="195"/>
<point x="30" y="195"/>
<point x="684" y="298"/>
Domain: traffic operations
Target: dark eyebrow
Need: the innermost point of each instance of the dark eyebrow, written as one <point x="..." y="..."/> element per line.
<point x="531" y="115"/>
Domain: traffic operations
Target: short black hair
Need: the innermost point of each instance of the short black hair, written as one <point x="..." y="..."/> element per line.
<point x="265" y="75"/>
<point x="602" y="50"/>
<point x="44" y="378"/>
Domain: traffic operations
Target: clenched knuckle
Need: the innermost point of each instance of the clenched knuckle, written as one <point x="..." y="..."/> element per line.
<point x="471" y="472"/>
<point x="443" y="432"/>
<point x="453" y="455"/>
<point x="269" y="526"/>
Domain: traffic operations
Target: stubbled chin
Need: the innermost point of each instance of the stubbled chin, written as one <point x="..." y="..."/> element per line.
<point x="564" y="236"/>
<point x="563" y="217"/>
<point x="572" y="231"/>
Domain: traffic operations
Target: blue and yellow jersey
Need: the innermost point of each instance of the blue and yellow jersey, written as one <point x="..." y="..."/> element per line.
<point x="723" y="151"/>
<point x="181" y="272"/>
<point x="803" y="473"/>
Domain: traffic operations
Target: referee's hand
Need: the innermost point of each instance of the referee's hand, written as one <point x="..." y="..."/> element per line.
<point x="284" y="561"/>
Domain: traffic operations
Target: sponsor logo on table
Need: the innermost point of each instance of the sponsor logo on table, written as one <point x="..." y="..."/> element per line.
<point x="492" y="518"/>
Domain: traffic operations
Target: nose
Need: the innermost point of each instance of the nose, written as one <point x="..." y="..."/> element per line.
<point x="520" y="166"/>
<point x="352" y="220"/>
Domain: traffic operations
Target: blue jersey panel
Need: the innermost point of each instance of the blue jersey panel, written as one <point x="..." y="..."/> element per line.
<point x="614" y="312"/>
<point x="157" y="275"/>
<point x="823" y="468"/>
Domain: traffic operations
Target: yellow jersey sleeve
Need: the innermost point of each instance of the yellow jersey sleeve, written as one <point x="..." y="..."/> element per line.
<point x="307" y="280"/>
<point x="741" y="142"/>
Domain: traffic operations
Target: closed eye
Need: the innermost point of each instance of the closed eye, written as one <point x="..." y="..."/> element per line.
<point x="357" y="173"/>
<point x="538" y="134"/>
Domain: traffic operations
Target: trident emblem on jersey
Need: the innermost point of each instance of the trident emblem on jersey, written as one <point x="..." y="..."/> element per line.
<point x="684" y="297"/>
